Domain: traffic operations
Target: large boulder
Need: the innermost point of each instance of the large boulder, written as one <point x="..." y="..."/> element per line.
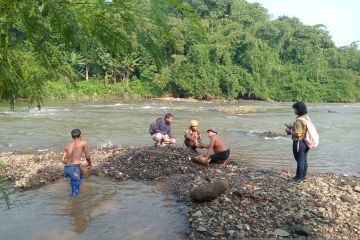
<point x="209" y="191"/>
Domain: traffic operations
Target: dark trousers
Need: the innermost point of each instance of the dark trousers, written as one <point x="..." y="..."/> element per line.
<point x="300" y="151"/>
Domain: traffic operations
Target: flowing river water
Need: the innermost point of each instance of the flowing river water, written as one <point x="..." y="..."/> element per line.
<point x="111" y="210"/>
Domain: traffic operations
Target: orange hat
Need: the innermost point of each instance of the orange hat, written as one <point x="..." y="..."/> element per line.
<point x="194" y="123"/>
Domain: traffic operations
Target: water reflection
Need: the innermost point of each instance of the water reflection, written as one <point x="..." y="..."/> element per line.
<point x="83" y="209"/>
<point x="103" y="210"/>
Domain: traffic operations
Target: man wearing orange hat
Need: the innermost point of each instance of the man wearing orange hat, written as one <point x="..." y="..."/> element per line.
<point x="218" y="150"/>
<point x="192" y="136"/>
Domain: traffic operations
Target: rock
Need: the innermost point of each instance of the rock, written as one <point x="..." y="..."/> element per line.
<point x="241" y="235"/>
<point x="183" y="169"/>
<point x="119" y="176"/>
<point x="197" y="214"/>
<point x="230" y="233"/>
<point x="282" y="233"/>
<point x="300" y="230"/>
<point x="321" y="209"/>
<point x="347" y="198"/>
<point x="209" y="191"/>
<point x="357" y="188"/>
<point x="217" y="234"/>
<point x="201" y="229"/>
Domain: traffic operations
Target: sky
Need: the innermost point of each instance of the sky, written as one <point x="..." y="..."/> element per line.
<point x="341" y="17"/>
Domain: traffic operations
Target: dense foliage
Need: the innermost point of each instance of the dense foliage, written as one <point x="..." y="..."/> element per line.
<point x="205" y="49"/>
<point x="4" y="191"/>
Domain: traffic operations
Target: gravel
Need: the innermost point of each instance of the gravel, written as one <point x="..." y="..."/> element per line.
<point x="258" y="204"/>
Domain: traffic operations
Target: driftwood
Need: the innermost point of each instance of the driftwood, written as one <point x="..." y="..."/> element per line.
<point x="209" y="191"/>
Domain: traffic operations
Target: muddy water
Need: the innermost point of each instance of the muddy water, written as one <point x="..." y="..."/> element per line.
<point x="133" y="210"/>
<point x="126" y="123"/>
<point x="103" y="210"/>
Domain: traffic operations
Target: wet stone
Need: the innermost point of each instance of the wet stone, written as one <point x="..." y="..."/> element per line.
<point x="281" y="232"/>
<point x="347" y="198"/>
<point x="201" y="229"/>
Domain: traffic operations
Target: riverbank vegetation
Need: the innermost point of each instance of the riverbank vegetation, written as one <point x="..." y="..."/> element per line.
<point x="204" y="49"/>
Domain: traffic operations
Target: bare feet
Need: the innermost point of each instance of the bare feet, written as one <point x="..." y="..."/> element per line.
<point x="202" y="160"/>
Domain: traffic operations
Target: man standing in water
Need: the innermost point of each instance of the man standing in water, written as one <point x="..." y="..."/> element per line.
<point x="218" y="151"/>
<point x="71" y="159"/>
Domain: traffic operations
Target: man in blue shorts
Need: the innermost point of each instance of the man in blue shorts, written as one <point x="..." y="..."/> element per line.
<point x="71" y="158"/>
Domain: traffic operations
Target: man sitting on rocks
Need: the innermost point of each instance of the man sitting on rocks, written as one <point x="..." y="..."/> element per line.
<point x="161" y="132"/>
<point x="192" y="136"/>
<point x="218" y="151"/>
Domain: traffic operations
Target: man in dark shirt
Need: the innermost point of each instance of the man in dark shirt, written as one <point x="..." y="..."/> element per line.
<point x="161" y="132"/>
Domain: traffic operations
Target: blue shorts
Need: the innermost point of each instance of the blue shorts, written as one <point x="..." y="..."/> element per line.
<point x="74" y="173"/>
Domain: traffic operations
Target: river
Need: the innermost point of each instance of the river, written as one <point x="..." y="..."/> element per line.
<point x="103" y="210"/>
<point x="136" y="210"/>
<point x="126" y="123"/>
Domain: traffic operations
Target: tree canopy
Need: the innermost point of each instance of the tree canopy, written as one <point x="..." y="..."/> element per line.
<point x="206" y="49"/>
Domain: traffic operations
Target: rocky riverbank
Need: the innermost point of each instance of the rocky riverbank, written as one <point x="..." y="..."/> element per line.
<point x="257" y="204"/>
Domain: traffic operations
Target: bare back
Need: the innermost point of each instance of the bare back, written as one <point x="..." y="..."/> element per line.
<point x="74" y="150"/>
<point x="219" y="144"/>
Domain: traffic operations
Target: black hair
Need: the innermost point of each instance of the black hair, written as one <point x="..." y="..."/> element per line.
<point x="300" y="108"/>
<point x="168" y="115"/>
<point x="75" y="133"/>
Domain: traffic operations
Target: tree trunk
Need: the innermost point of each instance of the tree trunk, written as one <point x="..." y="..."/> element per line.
<point x="87" y="72"/>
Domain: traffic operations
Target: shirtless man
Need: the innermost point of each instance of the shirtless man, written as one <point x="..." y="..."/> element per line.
<point x="218" y="151"/>
<point x="71" y="159"/>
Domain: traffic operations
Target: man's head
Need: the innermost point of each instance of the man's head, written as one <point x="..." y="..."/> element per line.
<point x="211" y="132"/>
<point x="194" y="124"/>
<point x="75" y="133"/>
<point x="169" y="118"/>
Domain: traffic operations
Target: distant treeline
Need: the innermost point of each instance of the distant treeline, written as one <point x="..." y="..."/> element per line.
<point x="205" y="49"/>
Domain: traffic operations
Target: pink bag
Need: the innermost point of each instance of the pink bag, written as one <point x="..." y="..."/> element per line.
<point x="312" y="137"/>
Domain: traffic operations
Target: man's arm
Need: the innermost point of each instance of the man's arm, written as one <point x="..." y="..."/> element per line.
<point x="171" y="134"/>
<point x="64" y="156"/>
<point x="87" y="154"/>
<point x="210" y="147"/>
<point x="187" y="135"/>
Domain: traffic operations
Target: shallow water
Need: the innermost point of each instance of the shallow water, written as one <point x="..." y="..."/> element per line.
<point x="126" y="123"/>
<point x="134" y="210"/>
<point x="103" y="210"/>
